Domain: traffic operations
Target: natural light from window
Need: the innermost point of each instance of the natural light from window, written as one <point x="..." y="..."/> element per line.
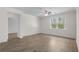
<point x="57" y="23"/>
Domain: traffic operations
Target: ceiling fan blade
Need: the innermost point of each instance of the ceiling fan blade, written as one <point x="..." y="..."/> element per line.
<point x="49" y="13"/>
<point x="46" y="11"/>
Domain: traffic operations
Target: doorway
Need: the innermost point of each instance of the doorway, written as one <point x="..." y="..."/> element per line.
<point x="13" y="25"/>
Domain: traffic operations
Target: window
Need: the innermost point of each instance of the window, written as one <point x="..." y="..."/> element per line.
<point x="57" y="23"/>
<point x="53" y="23"/>
<point x="60" y="23"/>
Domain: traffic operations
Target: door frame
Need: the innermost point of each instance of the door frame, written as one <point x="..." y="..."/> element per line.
<point x="18" y="33"/>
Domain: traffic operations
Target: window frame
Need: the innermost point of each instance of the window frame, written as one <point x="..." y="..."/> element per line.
<point x="57" y="18"/>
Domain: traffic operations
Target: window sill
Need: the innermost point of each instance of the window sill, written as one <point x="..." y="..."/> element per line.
<point x="57" y="29"/>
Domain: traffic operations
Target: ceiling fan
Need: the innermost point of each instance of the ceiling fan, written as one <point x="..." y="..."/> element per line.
<point x="47" y="12"/>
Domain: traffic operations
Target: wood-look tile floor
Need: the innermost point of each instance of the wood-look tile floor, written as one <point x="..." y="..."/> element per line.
<point x="39" y="43"/>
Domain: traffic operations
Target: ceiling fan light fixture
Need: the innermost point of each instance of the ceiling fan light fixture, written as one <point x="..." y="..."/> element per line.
<point x="46" y="14"/>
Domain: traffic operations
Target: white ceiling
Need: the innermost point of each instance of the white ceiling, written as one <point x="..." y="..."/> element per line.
<point x="36" y="11"/>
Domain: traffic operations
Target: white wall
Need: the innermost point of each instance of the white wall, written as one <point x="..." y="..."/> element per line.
<point x="28" y="24"/>
<point x="77" y="28"/>
<point x="70" y="25"/>
<point x="3" y="25"/>
<point x="13" y="25"/>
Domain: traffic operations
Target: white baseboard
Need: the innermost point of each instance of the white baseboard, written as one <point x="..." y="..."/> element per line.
<point x="24" y="35"/>
<point x="20" y="36"/>
<point x="4" y="41"/>
<point x="59" y="36"/>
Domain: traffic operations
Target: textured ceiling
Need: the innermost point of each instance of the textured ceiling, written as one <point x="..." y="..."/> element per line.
<point x="36" y="11"/>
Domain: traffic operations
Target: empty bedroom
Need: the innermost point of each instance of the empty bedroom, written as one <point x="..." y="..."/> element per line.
<point x="39" y="29"/>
